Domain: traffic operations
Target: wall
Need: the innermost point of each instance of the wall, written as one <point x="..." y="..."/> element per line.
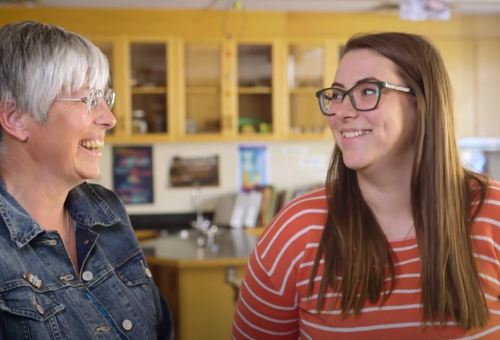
<point x="241" y="24"/>
<point x="460" y="38"/>
<point x="293" y="165"/>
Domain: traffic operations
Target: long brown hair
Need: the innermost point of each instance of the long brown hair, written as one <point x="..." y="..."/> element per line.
<point x="353" y="243"/>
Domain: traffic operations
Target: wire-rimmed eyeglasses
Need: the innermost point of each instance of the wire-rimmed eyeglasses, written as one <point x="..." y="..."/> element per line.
<point x="364" y="96"/>
<point x="94" y="99"/>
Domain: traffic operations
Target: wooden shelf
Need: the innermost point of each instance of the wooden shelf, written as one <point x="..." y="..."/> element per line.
<point x="256" y="136"/>
<point x="140" y="139"/>
<point x="202" y="90"/>
<point x="304" y="90"/>
<point x="254" y="90"/>
<point x="310" y="136"/>
<point x="204" y="137"/>
<point x="149" y="90"/>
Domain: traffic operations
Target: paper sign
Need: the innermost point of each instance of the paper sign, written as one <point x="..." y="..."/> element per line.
<point x="294" y="150"/>
<point x="313" y="162"/>
<point x="418" y="10"/>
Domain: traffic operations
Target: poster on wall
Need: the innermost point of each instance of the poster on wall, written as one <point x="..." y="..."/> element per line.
<point x="185" y="172"/>
<point x="254" y="166"/>
<point x="417" y="10"/>
<point x="133" y="174"/>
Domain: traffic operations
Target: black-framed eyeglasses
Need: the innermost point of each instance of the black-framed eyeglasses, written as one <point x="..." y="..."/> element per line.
<point x="364" y="96"/>
<point x="94" y="99"/>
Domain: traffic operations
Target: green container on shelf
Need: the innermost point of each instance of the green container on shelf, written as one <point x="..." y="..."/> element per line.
<point x="253" y="125"/>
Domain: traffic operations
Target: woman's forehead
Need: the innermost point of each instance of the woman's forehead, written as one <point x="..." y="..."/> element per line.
<point x="361" y="64"/>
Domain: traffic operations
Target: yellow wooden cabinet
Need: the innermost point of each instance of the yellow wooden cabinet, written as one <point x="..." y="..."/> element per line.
<point x="218" y="89"/>
<point x="257" y="104"/>
<point x="310" y="66"/>
<point x="459" y="58"/>
<point x="144" y="76"/>
<point x="488" y="86"/>
<point x="223" y="72"/>
<point x="203" y="113"/>
<point x="200" y="280"/>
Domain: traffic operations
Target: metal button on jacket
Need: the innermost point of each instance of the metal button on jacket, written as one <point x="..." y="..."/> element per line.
<point x="127" y="324"/>
<point x="87" y="276"/>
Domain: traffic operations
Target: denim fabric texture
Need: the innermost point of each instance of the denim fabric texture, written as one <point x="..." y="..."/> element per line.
<point x="112" y="297"/>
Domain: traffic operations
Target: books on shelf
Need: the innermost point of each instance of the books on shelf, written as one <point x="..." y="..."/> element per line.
<point x="255" y="208"/>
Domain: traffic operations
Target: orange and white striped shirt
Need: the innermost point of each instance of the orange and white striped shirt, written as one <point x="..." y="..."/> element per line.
<point x="274" y="304"/>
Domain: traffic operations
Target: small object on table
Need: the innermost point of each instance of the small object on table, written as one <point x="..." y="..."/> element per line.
<point x="145" y="234"/>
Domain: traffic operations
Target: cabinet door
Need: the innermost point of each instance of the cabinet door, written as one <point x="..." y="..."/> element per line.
<point x="305" y="75"/>
<point x="488" y="86"/>
<point x="255" y="101"/>
<point x="459" y="59"/>
<point x="150" y="95"/>
<point x="203" y="95"/>
<point x="310" y="67"/>
<point x="108" y="47"/>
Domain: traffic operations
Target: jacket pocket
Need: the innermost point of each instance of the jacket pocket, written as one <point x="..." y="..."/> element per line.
<point x="26" y="310"/>
<point x="136" y="275"/>
<point x="134" y="272"/>
<point x="25" y="302"/>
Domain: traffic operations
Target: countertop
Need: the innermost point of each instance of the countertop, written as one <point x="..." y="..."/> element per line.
<point x="188" y="248"/>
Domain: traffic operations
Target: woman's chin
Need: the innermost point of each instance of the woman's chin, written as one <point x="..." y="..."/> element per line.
<point x="356" y="163"/>
<point x="88" y="173"/>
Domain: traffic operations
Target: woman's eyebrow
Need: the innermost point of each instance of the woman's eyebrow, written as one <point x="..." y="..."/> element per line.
<point x="336" y="84"/>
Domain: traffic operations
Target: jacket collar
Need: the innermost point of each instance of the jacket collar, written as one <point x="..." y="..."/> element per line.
<point x="84" y="205"/>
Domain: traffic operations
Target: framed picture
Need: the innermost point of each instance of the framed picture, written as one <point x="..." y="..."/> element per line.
<point x="133" y="174"/>
<point x="185" y="172"/>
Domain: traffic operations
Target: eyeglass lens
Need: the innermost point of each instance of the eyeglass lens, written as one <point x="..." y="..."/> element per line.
<point x="363" y="97"/>
<point x="109" y="98"/>
<point x="95" y="97"/>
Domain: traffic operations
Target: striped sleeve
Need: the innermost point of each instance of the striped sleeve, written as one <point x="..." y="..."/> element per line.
<point x="268" y="304"/>
<point x="264" y="310"/>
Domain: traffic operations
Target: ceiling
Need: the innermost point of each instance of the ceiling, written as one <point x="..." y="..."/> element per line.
<point x="473" y="7"/>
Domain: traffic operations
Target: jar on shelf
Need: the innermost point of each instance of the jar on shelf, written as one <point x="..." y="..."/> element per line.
<point x="133" y="78"/>
<point x="139" y="124"/>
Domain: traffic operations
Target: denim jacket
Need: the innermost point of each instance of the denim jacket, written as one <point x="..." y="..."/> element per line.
<point x="111" y="297"/>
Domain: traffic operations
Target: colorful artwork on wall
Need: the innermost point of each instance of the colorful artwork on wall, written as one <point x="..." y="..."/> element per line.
<point x="133" y="174"/>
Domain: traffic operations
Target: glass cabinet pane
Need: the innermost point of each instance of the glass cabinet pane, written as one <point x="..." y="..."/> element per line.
<point x="305" y="66"/>
<point x="255" y="75"/>
<point x="149" y="113"/>
<point x="148" y="78"/>
<point x="305" y="77"/>
<point x="203" y="79"/>
<point x="305" y="115"/>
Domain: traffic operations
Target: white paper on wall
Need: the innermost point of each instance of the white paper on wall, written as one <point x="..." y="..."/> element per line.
<point x="418" y="10"/>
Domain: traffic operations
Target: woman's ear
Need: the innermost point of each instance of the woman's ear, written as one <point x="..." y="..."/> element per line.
<point x="12" y="120"/>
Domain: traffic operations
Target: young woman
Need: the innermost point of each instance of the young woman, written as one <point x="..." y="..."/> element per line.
<point x="403" y="242"/>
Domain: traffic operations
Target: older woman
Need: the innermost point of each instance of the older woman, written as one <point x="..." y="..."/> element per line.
<point x="71" y="267"/>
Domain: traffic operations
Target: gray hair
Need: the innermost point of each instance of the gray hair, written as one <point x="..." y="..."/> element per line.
<point x="39" y="62"/>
